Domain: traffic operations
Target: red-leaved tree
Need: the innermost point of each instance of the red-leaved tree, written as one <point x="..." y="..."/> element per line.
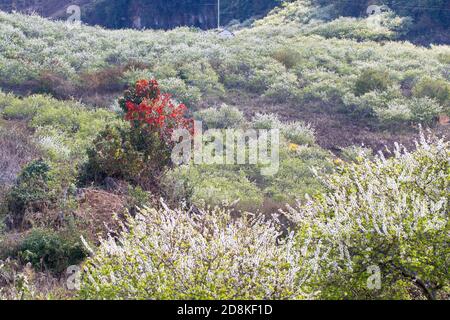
<point x="153" y="112"/>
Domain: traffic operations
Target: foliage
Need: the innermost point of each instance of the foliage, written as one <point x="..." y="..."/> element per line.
<point x="299" y="133"/>
<point x="114" y="155"/>
<point x="288" y="57"/>
<point x="424" y="110"/>
<point x="187" y="255"/>
<point x="63" y="130"/>
<point x="224" y="117"/>
<point x="50" y="251"/>
<point x="264" y="121"/>
<point x="388" y="213"/>
<point x="138" y="152"/>
<point x="33" y="188"/>
<point x="210" y="186"/>
<point x="372" y="80"/>
<point x="292" y="65"/>
<point x="437" y="89"/>
<point x="356" y="153"/>
<point x="188" y="94"/>
<point x="388" y="27"/>
<point x="298" y="174"/>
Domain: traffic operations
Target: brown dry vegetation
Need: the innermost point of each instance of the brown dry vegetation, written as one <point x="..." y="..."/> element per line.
<point x="16" y="149"/>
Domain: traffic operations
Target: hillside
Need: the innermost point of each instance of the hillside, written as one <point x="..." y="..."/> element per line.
<point x="353" y="120"/>
<point x="426" y="22"/>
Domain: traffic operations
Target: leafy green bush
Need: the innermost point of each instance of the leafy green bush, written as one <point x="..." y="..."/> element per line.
<point x="356" y="153"/>
<point x="190" y="95"/>
<point x="263" y="121"/>
<point x="114" y="155"/>
<point x="372" y="80"/>
<point x="299" y="133"/>
<point x="51" y="251"/>
<point x="176" y="254"/>
<point x="33" y="188"/>
<point x="132" y="75"/>
<point x="297" y="175"/>
<point x="200" y="74"/>
<point x="437" y="89"/>
<point x="210" y="186"/>
<point x="396" y="111"/>
<point x="221" y="118"/>
<point x="424" y="110"/>
<point x="388" y="26"/>
<point x="288" y="57"/>
<point x="24" y="109"/>
<point x="66" y="126"/>
<point x="284" y="89"/>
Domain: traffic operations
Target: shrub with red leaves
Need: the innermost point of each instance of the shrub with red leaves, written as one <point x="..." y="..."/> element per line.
<point x="146" y="108"/>
<point x="141" y="152"/>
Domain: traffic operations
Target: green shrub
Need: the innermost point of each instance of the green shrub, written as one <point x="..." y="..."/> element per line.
<point x="371" y="103"/>
<point x="61" y="126"/>
<point x="284" y="89"/>
<point x="263" y="121"/>
<point x="51" y="251"/>
<point x="388" y="27"/>
<point x="221" y="118"/>
<point x="294" y="180"/>
<point x="26" y="109"/>
<point x="437" y="89"/>
<point x="444" y="58"/>
<point x="32" y="189"/>
<point x="396" y="112"/>
<point x="132" y="75"/>
<point x="356" y="153"/>
<point x="424" y="110"/>
<point x="299" y="133"/>
<point x="137" y="198"/>
<point x="288" y="57"/>
<point x="125" y="154"/>
<point x="5" y="100"/>
<point x="210" y="186"/>
<point x="201" y="75"/>
<point x="372" y="80"/>
<point x="189" y="95"/>
<point x="297" y="175"/>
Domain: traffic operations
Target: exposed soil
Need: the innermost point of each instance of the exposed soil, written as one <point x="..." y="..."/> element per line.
<point x="97" y="209"/>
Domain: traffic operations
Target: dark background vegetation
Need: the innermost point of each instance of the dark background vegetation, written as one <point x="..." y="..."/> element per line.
<point x="431" y="17"/>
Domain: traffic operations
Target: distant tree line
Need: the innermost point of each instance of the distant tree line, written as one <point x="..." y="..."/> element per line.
<point x="429" y="13"/>
<point x="168" y="14"/>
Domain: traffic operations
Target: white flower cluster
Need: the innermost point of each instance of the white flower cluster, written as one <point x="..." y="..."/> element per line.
<point x="179" y="254"/>
<point x="390" y="212"/>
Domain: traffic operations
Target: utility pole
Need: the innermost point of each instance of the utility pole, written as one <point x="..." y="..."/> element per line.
<point x="218" y="14"/>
